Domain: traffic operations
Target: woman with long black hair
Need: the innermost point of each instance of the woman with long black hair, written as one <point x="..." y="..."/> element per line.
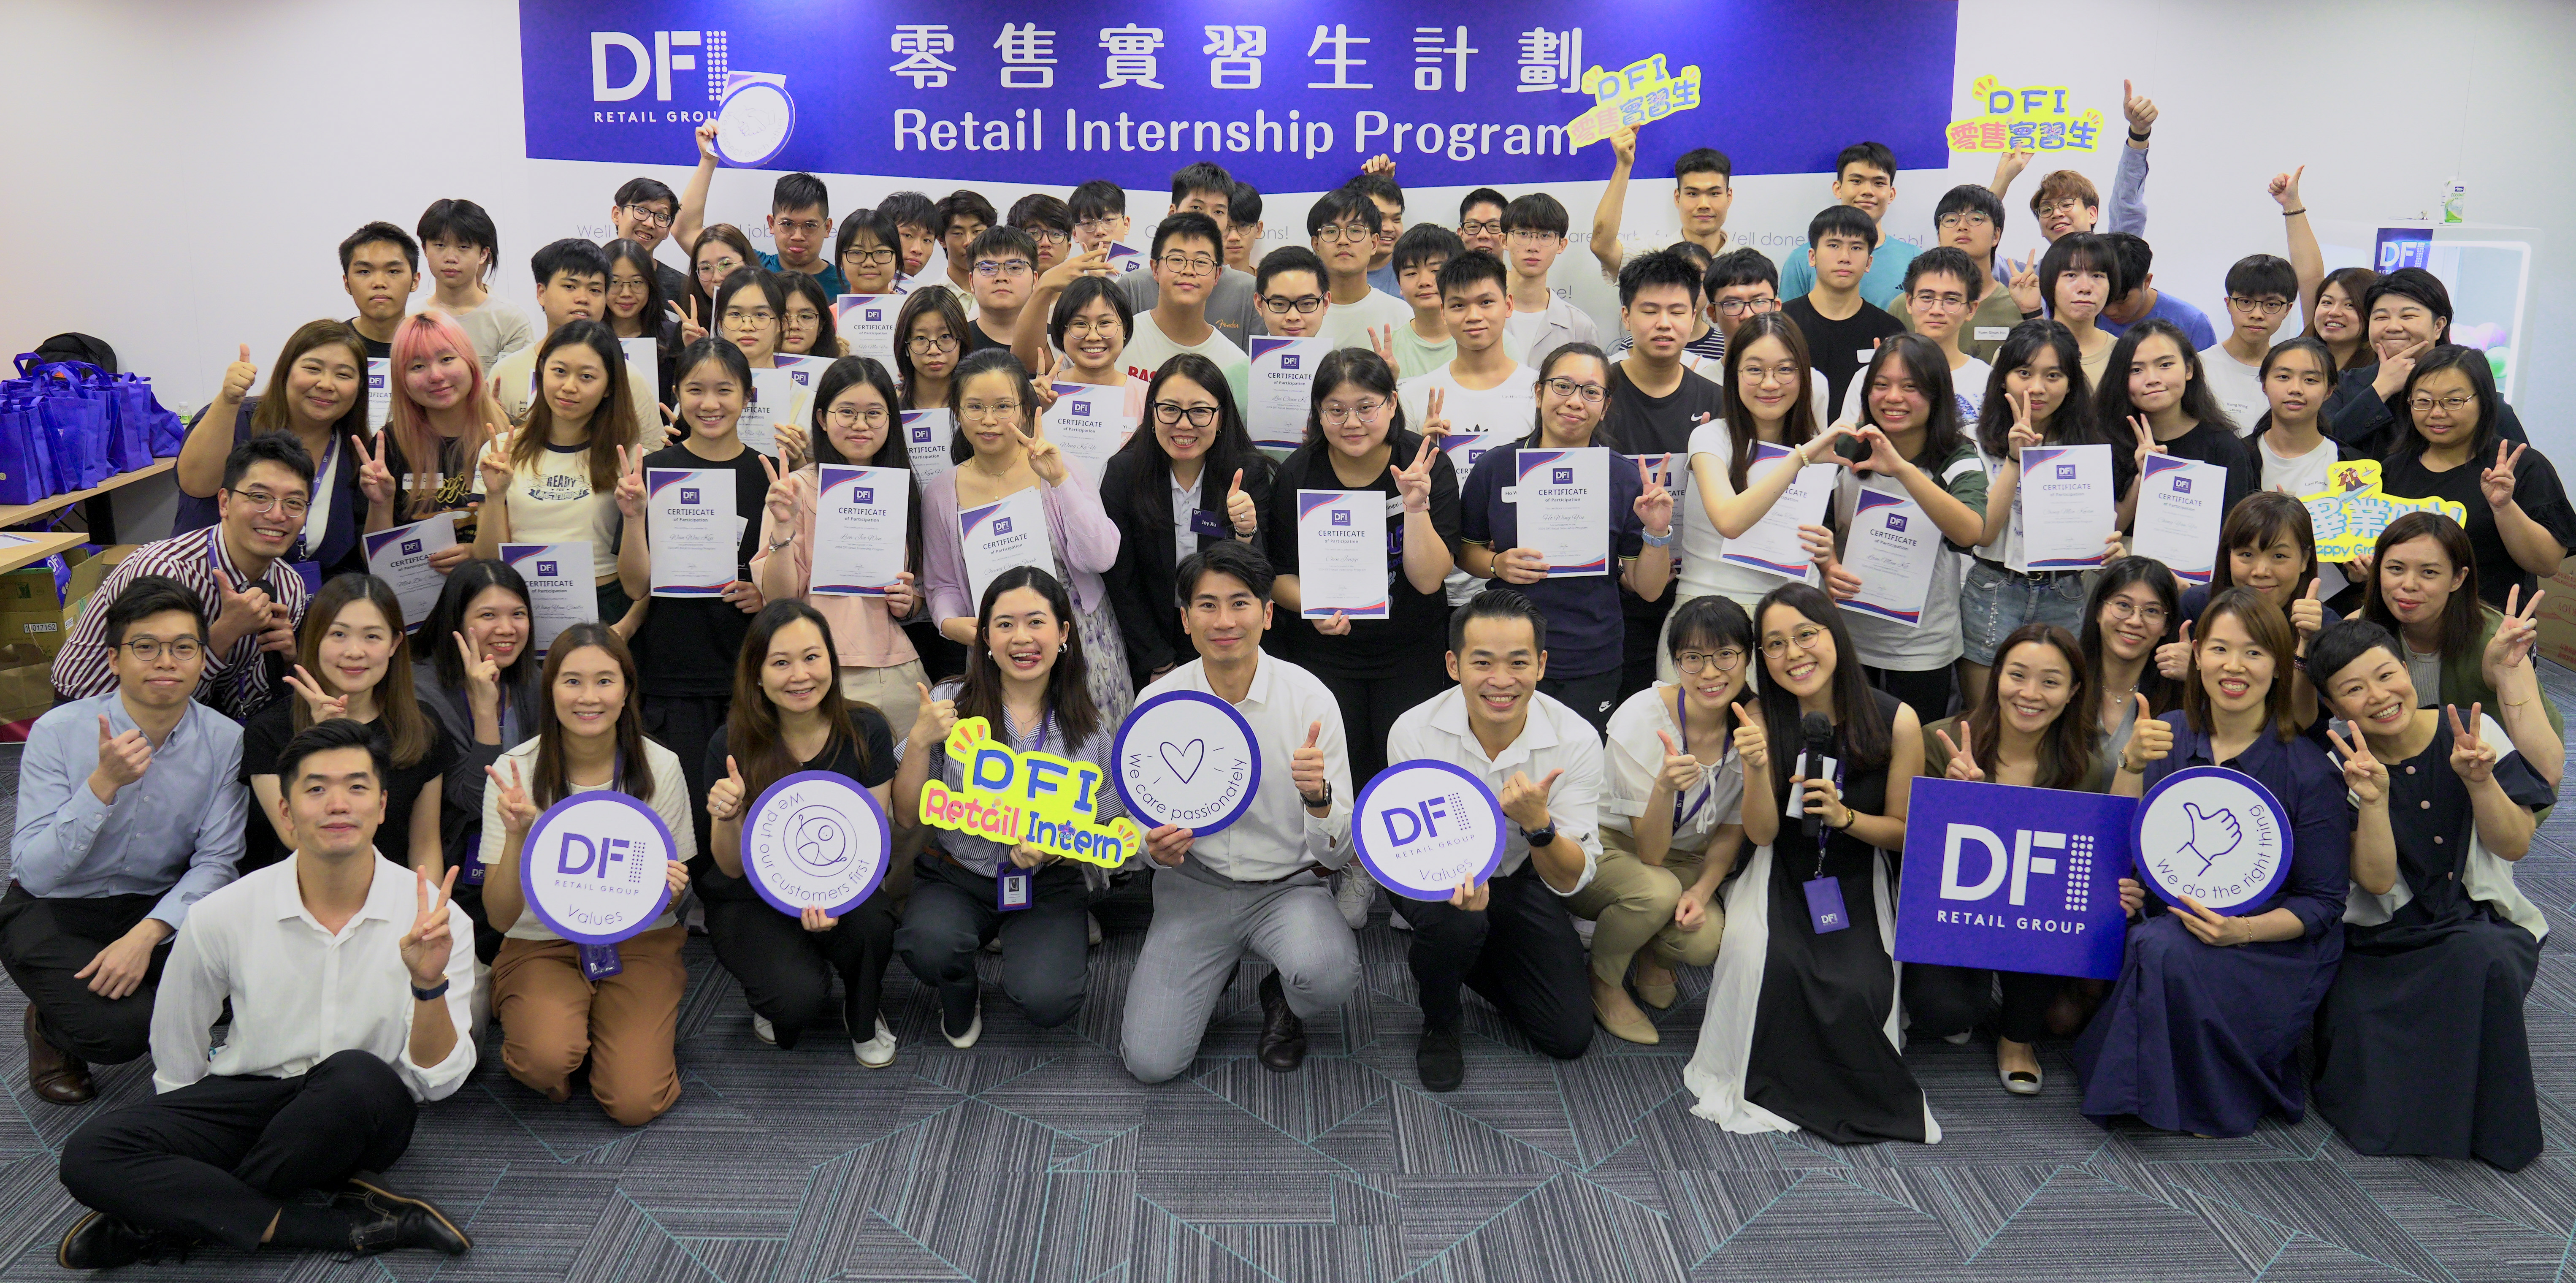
<point x="2038" y="397"/>
<point x="1190" y="478"/>
<point x="2135" y="607"/>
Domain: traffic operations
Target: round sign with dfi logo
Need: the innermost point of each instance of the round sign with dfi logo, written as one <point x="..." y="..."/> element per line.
<point x="755" y="120"/>
<point x="593" y="867"/>
<point x="1424" y="827"/>
<point x="2215" y="835"/>
<point x="816" y="839"/>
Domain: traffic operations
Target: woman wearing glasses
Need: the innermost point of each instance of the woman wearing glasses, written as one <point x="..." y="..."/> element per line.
<point x="1090" y="324"/>
<point x="926" y="335"/>
<point x="1771" y="397"/>
<point x="1001" y="450"/>
<point x="2135" y="608"/>
<point x="1815" y="1047"/>
<point x="1671" y="822"/>
<point x="854" y="420"/>
<point x="316" y="392"/>
<point x="721" y="250"/>
<point x="750" y="309"/>
<point x="2519" y="522"/>
<point x="1191" y="481"/>
<point x="805" y="322"/>
<point x="869" y="250"/>
<point x="637" y="310"/>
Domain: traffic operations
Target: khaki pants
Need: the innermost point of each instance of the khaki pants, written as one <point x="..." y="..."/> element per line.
<point x="552" y="1017"/>
<point x="892" y="690"/>
<point x="1630" y="903"/>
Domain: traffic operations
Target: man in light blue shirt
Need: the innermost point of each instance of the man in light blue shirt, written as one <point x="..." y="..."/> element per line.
<point x="130" y="809"/>
<point x="1865" y="179"/>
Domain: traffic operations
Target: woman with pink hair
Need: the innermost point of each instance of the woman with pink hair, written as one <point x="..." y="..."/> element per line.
<point x="438" y="419"/>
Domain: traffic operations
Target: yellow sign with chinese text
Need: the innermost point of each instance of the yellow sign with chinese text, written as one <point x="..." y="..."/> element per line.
<point x="2349" y="517"/>
<point x="1637" y="94"/>
<point x="2031" y="118"/>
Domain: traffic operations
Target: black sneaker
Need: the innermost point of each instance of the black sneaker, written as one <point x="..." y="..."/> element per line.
<point x="98" y="1241"/>
<point x="382" y="1220"/>
<point x="1283" y="1035"/>
<point x="1440" y="1060"/>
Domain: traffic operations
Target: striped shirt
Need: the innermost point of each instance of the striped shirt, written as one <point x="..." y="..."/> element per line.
<point x="237" y="681"/>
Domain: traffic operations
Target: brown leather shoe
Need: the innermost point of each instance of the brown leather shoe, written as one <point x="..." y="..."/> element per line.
<point x="57" y="1075"/>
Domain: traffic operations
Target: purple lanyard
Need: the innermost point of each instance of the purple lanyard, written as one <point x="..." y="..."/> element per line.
<point x="1679" y="814"/>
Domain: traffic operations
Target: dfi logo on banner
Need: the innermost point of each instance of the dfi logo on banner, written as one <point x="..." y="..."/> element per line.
<point x="2016" y="879"/>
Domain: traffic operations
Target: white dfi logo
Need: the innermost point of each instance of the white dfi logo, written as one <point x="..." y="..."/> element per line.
<point x="2016" y="860"/>
<point x="654" y="66"/>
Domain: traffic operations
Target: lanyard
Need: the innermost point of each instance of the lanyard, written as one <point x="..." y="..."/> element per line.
<point x="1825" y="833"/>
<point x="1046" y="720"/>
<point x="1699" y="796"/>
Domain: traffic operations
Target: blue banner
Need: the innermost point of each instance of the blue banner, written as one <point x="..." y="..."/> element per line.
<point x="1457" y="93"/>
<point x="2017" y="879"/>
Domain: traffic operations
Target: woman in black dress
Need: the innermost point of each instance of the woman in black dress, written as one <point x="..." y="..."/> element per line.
<point x="1802" y="1029"/>
<point x="2519" y="522"/>
<point x="2420" y="1044"/>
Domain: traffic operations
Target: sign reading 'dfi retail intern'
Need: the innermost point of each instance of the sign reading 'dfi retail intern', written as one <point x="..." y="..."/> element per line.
<point x="1424" y="827"/>
<point x="2215" y="835"/>
<point x="594" y="867"/>
<point x="815" y="839"/>
<point x="1187" y="758"/>
<point x="2021" y="879"/>
<point x="1038" y="798"/>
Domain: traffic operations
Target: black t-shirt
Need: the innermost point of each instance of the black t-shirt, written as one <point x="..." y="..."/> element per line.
<point x="1840" y="348"/>
<point x="841" y="758"/>
<point x="2536" y="490"/>
<point x="1416" y="622"/>
<point x="2207" y="443"/>
<point x="1640" y="424"/>
<point x="265" y="735"/>
<point x="1585" y="633"/>
<point x="977" y="340"/>
<point x="688" y="645"/>
<point x="455" y="473"/>
<point x="383" y="351"/>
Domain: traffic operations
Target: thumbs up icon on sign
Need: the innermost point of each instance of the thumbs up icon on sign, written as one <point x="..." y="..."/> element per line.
<point x="2213" y="833"/>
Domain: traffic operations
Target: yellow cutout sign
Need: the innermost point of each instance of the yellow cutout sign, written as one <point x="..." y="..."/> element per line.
<point x="2349" y="517"/>
<point x="2031" y="118"/>
<point x="1637" y="94"/>
<point x="1035" y="798"/>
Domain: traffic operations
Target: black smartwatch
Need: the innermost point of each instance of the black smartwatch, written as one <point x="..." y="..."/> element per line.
<point x="1540" y="836"/>
<point x="430" y="995"/>
<point x="1313" y="802"/>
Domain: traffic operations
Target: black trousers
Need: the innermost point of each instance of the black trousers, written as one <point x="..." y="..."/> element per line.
<point x="786" y="971"/>
<point x="1046" y="963"/>
<point x="1521" y="953"/>
<point x="686" y="724"/>
<point x="1595" y="697"/>
<point x="215" y="1159"/>
<point x="1926" y="692"/>
<point x="1370" y="705"/>
<point x="44" y="942"/>
<point x="1942" y="1001"/>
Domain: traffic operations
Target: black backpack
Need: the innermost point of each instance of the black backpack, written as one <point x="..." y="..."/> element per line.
<point x="75" y="346"/>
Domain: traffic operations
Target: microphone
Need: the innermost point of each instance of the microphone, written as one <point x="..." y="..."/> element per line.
<point x="1819" y="731"/>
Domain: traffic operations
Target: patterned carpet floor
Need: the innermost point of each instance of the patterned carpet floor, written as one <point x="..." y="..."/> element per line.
<point x="1035" y="1157"/>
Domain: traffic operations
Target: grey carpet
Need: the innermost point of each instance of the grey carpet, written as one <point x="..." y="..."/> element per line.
<point x="1035" y="1157"/>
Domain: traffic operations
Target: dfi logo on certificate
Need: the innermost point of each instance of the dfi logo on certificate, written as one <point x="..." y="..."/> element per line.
<point x="410" y="547"/>
<point x="688" y="495"/>
<point x="1001" y="525"/>
<point x="2066" y="472"/>
<point x="863" y="494"/>
<point x="1341" y="518"/>
<point x="1560" y="476"/>
<point x="545" y="570"/>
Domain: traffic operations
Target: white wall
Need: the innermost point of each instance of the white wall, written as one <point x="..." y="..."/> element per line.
<point x="233" y="148"/>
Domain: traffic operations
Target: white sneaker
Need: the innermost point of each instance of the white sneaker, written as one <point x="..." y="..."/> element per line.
<point x="878" y="1052"/>
<point x="1092" y="924"/>
<point x="974" y="1030"/>
<point x="1354" y="895"/>
<point x="763" y="1030"/>
<point x="1959" y="1039"/>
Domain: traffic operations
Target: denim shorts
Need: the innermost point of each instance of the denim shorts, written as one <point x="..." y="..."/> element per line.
<point x="1994" y="601"/>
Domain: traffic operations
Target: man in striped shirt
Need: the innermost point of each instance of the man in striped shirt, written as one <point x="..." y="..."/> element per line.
<point x="238" y="565"/>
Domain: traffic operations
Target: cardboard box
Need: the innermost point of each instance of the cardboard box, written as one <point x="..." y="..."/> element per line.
<point x="26" y="682"/>
<point x="2557" y="615"/>
<point x="31" y="615"/>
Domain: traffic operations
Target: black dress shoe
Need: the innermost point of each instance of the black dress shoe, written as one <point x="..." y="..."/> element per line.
<point x="55" y="1074"/>
<point x="1440" y="1060"/>
<point x="1283" y="1035"/>
<point x="382" y="1220"/>
<point x="98" y="1241"/>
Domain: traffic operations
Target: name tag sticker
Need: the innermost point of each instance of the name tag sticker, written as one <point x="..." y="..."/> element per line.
<point x="1993" y="333"/>
<point x="1204" y="522"/>
<point x="1511" y="494"/>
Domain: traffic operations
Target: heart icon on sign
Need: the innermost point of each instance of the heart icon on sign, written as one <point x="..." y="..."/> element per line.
<point x="1185" y="759"/>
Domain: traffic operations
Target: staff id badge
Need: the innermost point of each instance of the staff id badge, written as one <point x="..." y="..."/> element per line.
<point x="1213" y="525"/>
<point x="1014" y="889"/>
<point x="1825" y="904"/>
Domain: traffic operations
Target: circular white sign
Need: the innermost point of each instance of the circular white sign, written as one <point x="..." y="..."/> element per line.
<point x="2215" y="835"/>
<point x="1187" y="759"/>
<point x="754" y="123"/>
<point x="815" y="839"/>
<point x="593" y="867"/>
<point x="1423" y="827"/>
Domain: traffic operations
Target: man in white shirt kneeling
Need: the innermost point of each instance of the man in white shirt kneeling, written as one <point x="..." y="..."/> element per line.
<point x="351" y="1004"/>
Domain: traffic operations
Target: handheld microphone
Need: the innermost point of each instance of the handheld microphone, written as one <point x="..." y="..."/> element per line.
<point x="1819" y="731"/>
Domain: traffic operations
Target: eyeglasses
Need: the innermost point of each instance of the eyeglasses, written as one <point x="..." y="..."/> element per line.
<point x="647" y="216"/>
<point x="186" y="650"/>
<point x="1089" y="325"/>
<point x="2066" y="206"/>
<point x="2262" y="306"/>
<point x="1590" y="392"/>
<point x="1091" y="227"/>
<point x="806" y="226"/>
<point x="756" y="316"/>
<point x="1727" y="659"/>
<point x="1742" y="306"/>
<point x="1171" y="412"/>
<point x="1302" y="305"/>
<point x="1957" y="222"/>
<point x="1365" y="412"/>
<point x="1046" y="235"/>
<point x="931" y="343"/>
<point x="2124" y="611"/>
<point x="2449" y="404"/>
<point x="1531" y="236"/>
<point x="842" y="416"/>
<point x="1929" y="298"/>
<point x="1004" y="268"/>
<point x="718" y="270"/>
<point x="1807" y="638"/>
<point x="1341" y="233"/>
<point x="1486" y="227"/>
<point x="878" y="257"/>
<point x="993" y="410"/>
<point x="804" y="318"/>
<point x="263" y="501"/>
<point x="1187" y="264"/>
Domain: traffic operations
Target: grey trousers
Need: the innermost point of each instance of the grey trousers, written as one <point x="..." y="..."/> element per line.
<point x="1203" y="926"/>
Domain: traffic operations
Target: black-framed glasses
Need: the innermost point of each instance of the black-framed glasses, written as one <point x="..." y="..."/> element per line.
<point x="1187" y="264"/>
<point x="647" y="215"/>
<point x="186" y="650"/>
<point x="932" y="342"/>
<point x="1171" y="412"/>
<point x="1590" y="392"/>
<point x="1302" y="305"/>
<point x="1481" y="227"/>
<point x="1727" y="659"/>
<point x="878" y="257"/>
<point x="2258" y="306"/>
<point x="1745" y="306"/>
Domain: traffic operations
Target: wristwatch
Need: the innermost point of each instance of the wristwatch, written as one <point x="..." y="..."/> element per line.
<point x="1313" y="802"/>
<point x="1540" y="836"/>
<point x="430" y="995"/>
<point x="1653" y="540"/>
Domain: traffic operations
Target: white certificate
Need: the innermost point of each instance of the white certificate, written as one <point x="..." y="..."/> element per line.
<point x="2067" y="507"/>
<point x="1892" y="547"/>
<point x="1563" y="503"/>
<point x="926" y="435"/>
<point x="694" y="533"/>
<point x="2180" y="503"/>
<point x="1088" y="423"/>
<point x="1283" y="376"/>
<point x="643" y="376"/>
<point x="1342" y="554"/>
<point x="1125" y="258"/>
<point x="769" y="411"/>
<point x="1772" y="544"/>
<point x="1465" y="448"/>
<point x="562" y="590"/>
<point x="1001" y="535"/>
<point x="380" y="392"/>
<point x="859" y="516"/>
<point x="866" y="323"/>
<point x="400" y="557"/>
